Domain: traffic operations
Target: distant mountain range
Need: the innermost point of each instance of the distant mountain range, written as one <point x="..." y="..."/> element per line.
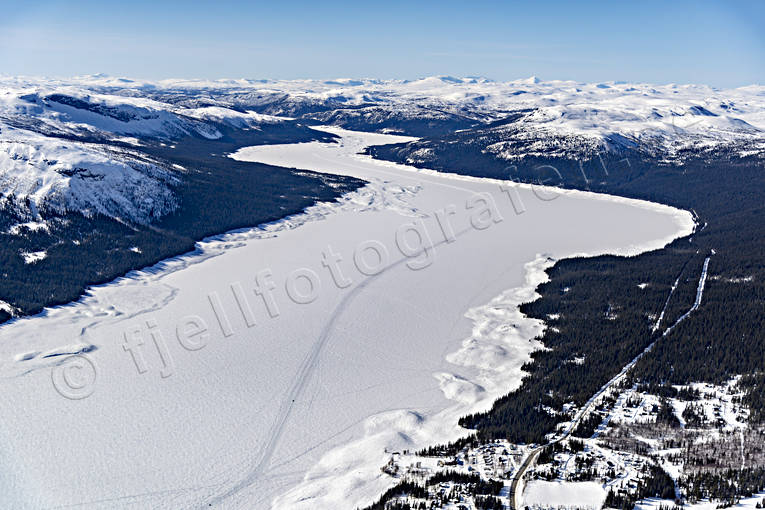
<point x="101" y="175"/>
<point x="143" y="156"/>
<point x="100" y="169"/>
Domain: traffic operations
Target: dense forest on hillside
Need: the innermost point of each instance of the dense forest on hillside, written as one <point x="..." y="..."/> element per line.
<point x="216" y="194"/>
<point x="604" y="317"/>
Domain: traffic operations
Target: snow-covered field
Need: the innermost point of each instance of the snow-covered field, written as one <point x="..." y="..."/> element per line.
<point x="563" y="494"/>
<point x="274" y="366"/>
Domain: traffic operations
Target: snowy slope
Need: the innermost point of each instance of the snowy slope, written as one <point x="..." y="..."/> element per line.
<point x="302" y="410"/>
<point x="77" y="111"/>
<point x="49" y="175"/>
<point x="530" y="118"/>
<point x="43" y="175"/>
<point x="297" y="404"/>
<point x="65" y="147"/>
<point x="665" y="118"/>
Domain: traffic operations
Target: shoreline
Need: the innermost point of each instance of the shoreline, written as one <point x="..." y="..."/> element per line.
<point x="443" y="428"/>
<point x="415" y="424"/>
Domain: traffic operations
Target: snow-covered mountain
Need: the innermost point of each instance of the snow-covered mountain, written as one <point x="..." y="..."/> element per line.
<point x="668" y="118"/>
<point x="66" y="147"/>
<point x="100" y="176"/>
<point x="512" y="120"/>
<point x="40" y="174"/>
<point x="533" y="117"/>
<point x="96" y="181"/>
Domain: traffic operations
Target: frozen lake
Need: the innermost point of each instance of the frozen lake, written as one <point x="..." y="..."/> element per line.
<point x="275" y="365"/>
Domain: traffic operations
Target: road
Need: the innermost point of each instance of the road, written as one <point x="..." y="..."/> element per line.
<point x="515" y="494"/>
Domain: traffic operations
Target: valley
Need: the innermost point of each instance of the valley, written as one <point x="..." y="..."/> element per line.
<point x="408" y="387"/>
<point x="491" y="294"/>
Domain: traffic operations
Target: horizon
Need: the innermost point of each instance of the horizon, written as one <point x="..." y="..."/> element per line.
<point x="337" y="79"/>
<point x="382" y="256"/>
<point x="711" y="43"/>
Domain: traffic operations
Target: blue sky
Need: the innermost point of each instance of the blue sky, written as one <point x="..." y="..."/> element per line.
<point x="718" y="43"/>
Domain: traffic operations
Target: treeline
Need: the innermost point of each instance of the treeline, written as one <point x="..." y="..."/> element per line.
<point x="754" y="395"/>
<point x="662" y="390"/>
<point x="402" y="488"/>
<point x="483" y="491"/>
<point x="547" y="455"/>
<point x="726" y="487"/>
<point x="476" y="484"/>
<point x="656" y="484"/>
<point x="452" y="448"/>
<point x="216" y="194"/>
<point x="580" y="292"/>
<point x="588" y="425"/>
<point x="723" y="338"/>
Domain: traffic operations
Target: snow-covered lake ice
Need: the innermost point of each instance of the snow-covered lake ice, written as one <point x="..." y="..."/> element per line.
<point x="274" y="366"/>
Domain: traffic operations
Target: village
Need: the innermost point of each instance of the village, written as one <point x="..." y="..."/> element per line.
<point x="631" y="442"/>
